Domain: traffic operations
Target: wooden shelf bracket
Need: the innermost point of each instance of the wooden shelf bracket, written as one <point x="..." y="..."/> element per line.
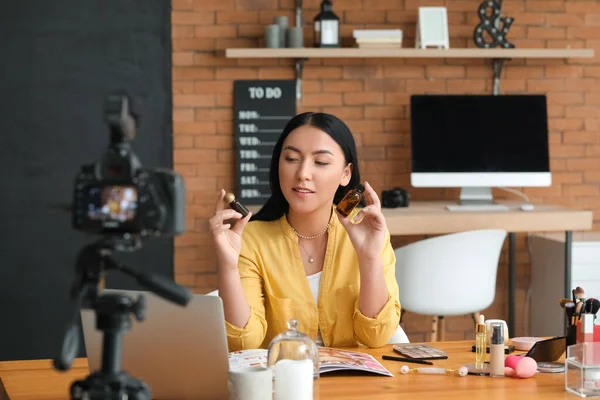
<point x="498" y="64"/>
<point x="299" y="61"/>
<point x="298" y="75"/>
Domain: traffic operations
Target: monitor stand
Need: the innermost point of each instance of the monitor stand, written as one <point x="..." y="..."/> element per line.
<point x="476" y="199"/>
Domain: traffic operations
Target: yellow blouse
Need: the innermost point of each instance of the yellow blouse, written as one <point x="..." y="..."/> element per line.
<point x="277" y="289"/>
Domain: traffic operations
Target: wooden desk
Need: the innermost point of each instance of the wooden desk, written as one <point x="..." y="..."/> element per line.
<point x="36" y="380"/>
<point x="431" y="217"/>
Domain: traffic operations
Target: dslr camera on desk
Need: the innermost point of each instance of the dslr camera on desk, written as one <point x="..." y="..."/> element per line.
<point x="121" y="202"/>
<point x="396" y="197"/>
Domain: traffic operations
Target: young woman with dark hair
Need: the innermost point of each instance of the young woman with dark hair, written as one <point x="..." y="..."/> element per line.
<point x="299" y="258"/>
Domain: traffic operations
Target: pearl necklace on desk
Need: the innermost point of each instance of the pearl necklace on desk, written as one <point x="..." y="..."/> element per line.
<point x="310" y="258"/>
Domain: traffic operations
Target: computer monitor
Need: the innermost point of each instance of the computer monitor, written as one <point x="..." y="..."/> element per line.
<point x="477" y="142"/>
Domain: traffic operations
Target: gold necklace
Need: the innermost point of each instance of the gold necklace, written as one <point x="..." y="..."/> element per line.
<point x="310" y="258"/>
<point x="309" y="237"/>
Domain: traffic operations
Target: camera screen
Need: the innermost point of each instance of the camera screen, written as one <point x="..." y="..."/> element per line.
<point x="112" y="203"/>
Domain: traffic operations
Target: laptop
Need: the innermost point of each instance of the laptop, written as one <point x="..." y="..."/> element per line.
<point x="180" y="352"/>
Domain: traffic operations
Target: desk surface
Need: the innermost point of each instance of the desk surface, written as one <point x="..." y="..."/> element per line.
<point x="431" y="217"/>
<point x="37" y="380"/>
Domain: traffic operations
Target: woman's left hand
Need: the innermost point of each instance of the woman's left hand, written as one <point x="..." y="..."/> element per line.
<point x="367" y="237"/>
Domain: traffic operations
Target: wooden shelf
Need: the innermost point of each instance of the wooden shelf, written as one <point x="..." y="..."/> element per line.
<point x="498" y="55"/>
<point x="407" y="53"/>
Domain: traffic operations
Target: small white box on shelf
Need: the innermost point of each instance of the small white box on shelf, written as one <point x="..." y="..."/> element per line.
<point x="378" y="38"/>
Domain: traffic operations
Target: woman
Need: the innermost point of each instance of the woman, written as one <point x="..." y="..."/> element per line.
<point x="299" y="258"/>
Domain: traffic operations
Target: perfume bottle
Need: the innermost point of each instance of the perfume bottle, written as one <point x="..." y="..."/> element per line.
<point x="229" y="198"/>
<point x="351" y="200"/>
<point x="326" y="27"/>
<point x="480" y="343"/>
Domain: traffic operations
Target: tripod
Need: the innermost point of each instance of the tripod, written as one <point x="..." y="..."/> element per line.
<point x="112" y="318"/>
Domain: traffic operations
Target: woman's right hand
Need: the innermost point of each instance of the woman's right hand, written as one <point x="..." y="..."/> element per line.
<point x="228" y="240"/>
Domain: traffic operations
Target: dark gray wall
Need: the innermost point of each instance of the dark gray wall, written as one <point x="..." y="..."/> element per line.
<point x="60" y="59"/>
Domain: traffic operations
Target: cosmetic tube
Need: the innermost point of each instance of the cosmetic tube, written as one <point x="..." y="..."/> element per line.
<point x="480" y="343"/>
<point x="235" y="205"/>
<point x="462" y="371"/>
<point x="497" y="350"/>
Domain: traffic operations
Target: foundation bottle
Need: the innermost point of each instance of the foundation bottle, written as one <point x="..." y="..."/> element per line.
<point x="497" y="350"/>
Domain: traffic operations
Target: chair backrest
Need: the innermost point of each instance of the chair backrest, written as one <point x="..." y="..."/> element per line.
<point x="399" y="336"/>
<point x="452" y="274"/>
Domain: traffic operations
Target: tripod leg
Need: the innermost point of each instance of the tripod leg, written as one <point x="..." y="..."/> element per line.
<point x="119" y="386"/>
<point x="3" y="393"/>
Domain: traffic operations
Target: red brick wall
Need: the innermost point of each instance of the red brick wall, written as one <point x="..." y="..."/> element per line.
<point x="372" y="96"/>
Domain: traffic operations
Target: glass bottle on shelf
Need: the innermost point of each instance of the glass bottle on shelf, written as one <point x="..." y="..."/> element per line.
<point x="294" y="358"/>
<point x="326" y="27"/>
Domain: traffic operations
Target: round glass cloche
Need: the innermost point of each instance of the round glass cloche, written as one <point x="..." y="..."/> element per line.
<point x="296" y="348"/>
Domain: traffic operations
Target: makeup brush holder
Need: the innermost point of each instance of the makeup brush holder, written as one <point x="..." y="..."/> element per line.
<point x="571" y="335"/>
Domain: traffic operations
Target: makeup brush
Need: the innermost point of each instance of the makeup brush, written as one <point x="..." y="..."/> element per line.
<point x="579" y="293"/>
<point x="579" y="308"/>
<point x="564" y="301"/>
<point x="570" y="311"/>
<point x="592" y="306"/>
<point x="596" y="306"/>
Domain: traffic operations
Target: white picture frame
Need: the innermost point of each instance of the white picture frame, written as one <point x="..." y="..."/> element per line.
<point x="432" y="28"/>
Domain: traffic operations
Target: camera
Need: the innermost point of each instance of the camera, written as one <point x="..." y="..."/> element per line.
<point x="117" y="196"/>
<point x="396" y="197"/>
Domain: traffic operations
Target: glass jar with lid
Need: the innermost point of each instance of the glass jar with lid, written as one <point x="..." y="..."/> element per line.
<point x="294" y="358"/>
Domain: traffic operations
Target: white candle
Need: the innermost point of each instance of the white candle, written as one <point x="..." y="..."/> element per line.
<point x="294" y="380"/>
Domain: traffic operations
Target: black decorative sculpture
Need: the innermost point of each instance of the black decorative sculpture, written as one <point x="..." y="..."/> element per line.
<point x="491" y="24"/>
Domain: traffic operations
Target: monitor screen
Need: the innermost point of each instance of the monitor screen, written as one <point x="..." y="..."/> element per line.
<point x="479" y="134"/>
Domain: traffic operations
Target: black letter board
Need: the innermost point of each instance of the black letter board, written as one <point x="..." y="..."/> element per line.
<point x="262" y="109"/>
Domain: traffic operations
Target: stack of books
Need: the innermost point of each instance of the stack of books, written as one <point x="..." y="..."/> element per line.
<point x="378" y="38"/>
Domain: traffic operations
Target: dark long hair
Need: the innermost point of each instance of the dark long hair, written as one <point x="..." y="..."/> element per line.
<point x="277" y="206"/>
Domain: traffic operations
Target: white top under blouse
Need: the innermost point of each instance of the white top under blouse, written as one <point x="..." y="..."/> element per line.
<point x="314" y="281"/>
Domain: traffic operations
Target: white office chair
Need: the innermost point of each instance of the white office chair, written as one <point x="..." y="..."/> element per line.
<point x="398" y="337"/>
<point x="448" y="275"/>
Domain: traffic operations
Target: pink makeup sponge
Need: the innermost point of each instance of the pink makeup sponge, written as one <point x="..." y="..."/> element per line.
<point x="522" y="367"/>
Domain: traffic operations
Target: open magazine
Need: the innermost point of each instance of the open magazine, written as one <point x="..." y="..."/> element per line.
<point x="330" y="359"/>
